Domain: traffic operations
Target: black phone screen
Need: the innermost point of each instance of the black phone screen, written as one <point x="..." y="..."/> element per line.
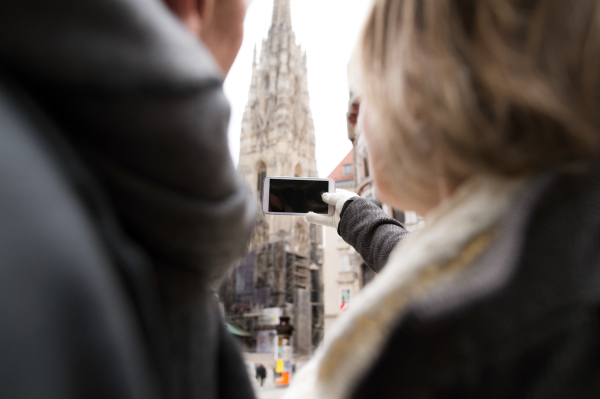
<point x="297" y="196"/>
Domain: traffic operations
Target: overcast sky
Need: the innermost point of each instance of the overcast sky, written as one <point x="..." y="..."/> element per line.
<point x="327" y="31"/>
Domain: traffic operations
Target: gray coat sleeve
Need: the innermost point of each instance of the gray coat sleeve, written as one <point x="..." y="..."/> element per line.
<point x="168" y="170"/>
<point x="371" y="232"/>
<point x="69" y="328"/>
<point x="141" y="102"/>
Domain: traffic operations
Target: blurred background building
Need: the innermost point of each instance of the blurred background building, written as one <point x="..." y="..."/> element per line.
<point x="281" y="274"/>
<point x="344" y="271"/>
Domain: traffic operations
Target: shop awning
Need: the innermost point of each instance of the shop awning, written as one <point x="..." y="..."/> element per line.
<point x="237" y="331"/>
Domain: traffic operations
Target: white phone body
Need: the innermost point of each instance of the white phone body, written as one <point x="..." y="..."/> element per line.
<point x="267" y="187"/>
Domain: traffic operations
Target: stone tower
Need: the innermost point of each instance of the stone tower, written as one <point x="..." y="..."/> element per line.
<point x="282" y="270"/>
<point x="277" y="137"/>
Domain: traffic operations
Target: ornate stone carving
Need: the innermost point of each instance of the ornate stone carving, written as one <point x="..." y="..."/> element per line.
<point x="301" y="237"/>
<point x="278" y="135"/>
<point x="277" y="127"/>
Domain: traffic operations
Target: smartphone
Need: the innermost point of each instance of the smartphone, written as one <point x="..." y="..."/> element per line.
<point x="296" y="196"/>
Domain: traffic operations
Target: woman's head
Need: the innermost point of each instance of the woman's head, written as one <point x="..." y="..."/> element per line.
<point x="455" y="88"/>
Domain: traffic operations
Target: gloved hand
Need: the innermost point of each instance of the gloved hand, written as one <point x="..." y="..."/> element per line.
<point x="338" y="199"/>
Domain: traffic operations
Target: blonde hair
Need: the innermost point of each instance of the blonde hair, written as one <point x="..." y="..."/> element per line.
<point x="500" y="87"/>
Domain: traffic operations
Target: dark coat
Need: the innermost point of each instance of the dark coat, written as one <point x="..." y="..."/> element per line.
<point x="261" y="371"/>
<point x="533" y="333"/>
<point x="119" y="205"/>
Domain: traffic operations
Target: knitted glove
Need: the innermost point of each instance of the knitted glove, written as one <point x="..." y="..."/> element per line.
<point x="338" y="199"/>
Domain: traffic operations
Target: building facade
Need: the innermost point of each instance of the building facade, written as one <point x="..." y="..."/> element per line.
<point x="344" y="271"/>
<point x="283" y="267"/>
<point x="342" y="274"/>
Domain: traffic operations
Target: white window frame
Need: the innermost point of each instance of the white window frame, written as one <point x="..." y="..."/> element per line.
<point x="347" y="170"/>
<point x="349" y="291"/>
<point x="344" y="261"/>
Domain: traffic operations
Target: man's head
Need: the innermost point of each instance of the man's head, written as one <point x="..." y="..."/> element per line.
<point x="218" y="23"/>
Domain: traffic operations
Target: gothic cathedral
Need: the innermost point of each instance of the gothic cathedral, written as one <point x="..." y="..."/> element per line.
<point x="277" y="136"/>
<point x="283" y="267"/>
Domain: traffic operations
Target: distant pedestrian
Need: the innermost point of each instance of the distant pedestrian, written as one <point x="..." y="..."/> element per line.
<point x="261" y="373"/>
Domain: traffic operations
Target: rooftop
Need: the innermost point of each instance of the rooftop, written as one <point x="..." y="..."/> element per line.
<point x="340" y="173"/>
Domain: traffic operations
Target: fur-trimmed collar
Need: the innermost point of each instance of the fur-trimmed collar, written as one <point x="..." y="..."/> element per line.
<point x="455" y="234"/>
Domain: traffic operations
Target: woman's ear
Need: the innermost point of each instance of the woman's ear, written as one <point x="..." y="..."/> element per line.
<point x="196" y="15"/>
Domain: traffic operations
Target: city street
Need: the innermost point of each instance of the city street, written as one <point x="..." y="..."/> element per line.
<point x="269" y="390"/>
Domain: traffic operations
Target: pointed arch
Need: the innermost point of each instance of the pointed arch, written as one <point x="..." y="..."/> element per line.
<point x="298" y="171"/>
<point x="261" y="171"/>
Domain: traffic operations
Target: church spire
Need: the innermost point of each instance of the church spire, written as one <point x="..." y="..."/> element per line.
<point x="282" y="16"/>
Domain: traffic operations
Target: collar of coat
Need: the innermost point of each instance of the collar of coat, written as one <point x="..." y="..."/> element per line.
<point x="456" y="233"/>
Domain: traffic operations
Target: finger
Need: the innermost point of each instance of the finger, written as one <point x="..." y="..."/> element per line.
<point x="312" y="217"/>
<point x="330" y="198"/>
<point x="345" y="193"/>
<point x="343" y="197"/>
<point x="322" y="220"/>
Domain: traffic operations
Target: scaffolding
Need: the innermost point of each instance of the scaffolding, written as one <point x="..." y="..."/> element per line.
<point x="273" y="276"/>
<point x="297" y="275"/>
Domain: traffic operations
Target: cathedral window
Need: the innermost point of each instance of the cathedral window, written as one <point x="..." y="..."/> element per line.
<point x="262" y="173"/>
<point x="298" y="171"/>
<point x="267" y="83"/>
